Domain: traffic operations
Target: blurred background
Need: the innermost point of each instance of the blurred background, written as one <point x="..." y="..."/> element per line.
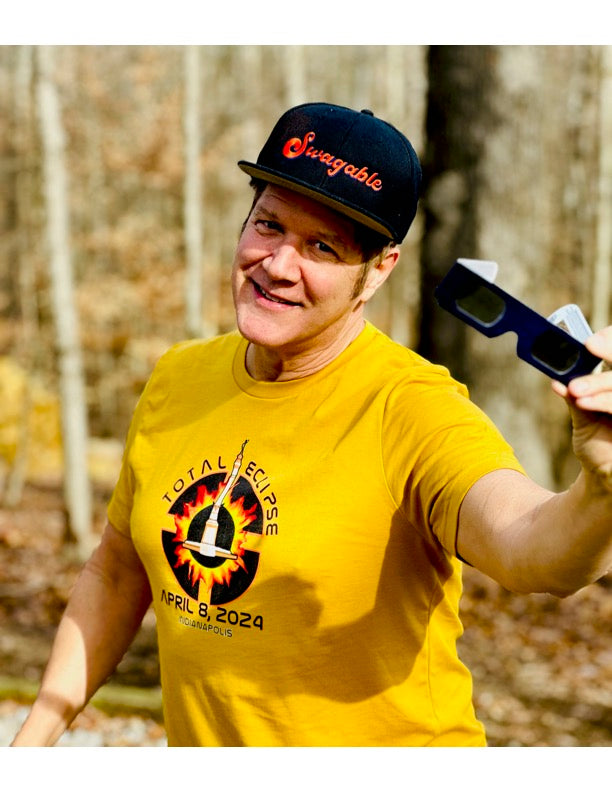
<point x="120" y="206"/>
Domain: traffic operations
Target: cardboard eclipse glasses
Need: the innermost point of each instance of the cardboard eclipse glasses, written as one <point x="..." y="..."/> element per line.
<point x="468" y="292"/>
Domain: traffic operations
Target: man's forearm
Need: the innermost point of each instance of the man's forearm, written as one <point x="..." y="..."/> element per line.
<point x="533" y="541"/>
<point x="104" y="613"/>
<point x="579" y="529"/>
<point x="69" y="681"/>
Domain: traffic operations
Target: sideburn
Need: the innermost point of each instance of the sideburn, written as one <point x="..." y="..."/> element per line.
<point x="363" y="276"/>
<point x="374" y="261"/>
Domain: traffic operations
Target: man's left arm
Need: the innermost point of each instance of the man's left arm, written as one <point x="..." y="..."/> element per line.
<point x="533" y="540"/>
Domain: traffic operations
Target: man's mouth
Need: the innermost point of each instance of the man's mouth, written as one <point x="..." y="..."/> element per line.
<point x="260" y="290"/>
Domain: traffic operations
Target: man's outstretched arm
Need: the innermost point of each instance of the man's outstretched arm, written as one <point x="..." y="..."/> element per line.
<point x="104" y="612"/>
<point x="530" y="539"/>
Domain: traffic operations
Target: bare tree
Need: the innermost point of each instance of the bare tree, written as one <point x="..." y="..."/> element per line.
<point x="72" y="391"/>
<point x="17" y="473"/>
<point x="192" y="198"/>
<point x="295" y="75"/>
<point x="602" y="276"/>
<point x="405" y="81"/>
<point x="460" y="87"/>
<point x="511" y="163"/>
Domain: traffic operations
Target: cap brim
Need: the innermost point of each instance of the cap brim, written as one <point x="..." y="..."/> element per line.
<point x="272" y="176"/>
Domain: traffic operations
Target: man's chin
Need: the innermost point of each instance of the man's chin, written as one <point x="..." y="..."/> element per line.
<point x="263" y="331"/>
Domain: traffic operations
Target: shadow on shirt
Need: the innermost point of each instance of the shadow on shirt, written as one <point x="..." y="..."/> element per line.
<point x="303" y="648"/>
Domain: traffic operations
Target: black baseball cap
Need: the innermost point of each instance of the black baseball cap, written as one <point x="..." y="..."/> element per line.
<point x="354" y="162"/>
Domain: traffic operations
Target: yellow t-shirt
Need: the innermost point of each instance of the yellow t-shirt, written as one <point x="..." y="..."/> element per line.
<point x="299" y="538"/>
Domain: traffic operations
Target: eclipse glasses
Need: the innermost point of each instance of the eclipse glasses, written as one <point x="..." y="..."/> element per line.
<point x="469" y="293"/>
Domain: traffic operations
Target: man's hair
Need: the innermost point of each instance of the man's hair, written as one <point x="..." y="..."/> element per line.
<point x="373" y="246"/>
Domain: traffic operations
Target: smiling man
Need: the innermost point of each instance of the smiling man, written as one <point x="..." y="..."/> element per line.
<point x="298" y="283"/>
<point x="296" y="496"/>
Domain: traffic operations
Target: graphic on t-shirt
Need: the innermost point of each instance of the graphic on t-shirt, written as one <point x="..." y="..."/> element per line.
<point x="207" y="546"/>
<point x="208" y="552"/>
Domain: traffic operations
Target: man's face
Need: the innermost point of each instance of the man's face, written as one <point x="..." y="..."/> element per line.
<point x="294" y="274"/>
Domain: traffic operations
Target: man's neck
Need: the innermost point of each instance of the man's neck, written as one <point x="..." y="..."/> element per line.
<point x="279" y="365"/>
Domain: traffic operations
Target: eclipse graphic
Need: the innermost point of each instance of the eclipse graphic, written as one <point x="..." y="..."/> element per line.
<point x="213" y="519"/>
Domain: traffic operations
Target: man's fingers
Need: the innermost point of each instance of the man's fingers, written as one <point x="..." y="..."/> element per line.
<point x="593" y="392"/>
<point x="600" y="344"/>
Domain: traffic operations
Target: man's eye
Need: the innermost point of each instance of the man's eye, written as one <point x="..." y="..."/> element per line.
<point x="267" y="225"/>
<point x="324" y="248"/>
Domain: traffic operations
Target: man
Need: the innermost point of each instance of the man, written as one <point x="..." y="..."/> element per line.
<point x="295" y="497"/>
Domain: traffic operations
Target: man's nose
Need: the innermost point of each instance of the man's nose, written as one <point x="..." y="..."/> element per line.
<point x="283" y="263"/>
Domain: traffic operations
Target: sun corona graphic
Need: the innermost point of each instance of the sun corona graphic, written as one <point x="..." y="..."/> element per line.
<point x="197" y="564"/>
<point x="213" y="547"/>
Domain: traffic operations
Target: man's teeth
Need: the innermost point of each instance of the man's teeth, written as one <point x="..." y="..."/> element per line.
<point x="272" y="298"/>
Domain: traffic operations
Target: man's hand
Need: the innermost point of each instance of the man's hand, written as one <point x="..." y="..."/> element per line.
<point x="590" y="402"/>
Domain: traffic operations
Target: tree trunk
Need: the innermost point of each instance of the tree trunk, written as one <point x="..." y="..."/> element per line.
<point x="405" y="72"/>
<point x="458" y="119"/>
<point x="26" y="290"/>
<point x="72" y="390"/>
<point x="513" y="151"/>
<point x="294" y="63"/>
<point x="602" y="275"/>
<point x="192" y="198"/>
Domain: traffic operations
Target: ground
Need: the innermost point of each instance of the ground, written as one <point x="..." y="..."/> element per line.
<point x="542" y="666"/>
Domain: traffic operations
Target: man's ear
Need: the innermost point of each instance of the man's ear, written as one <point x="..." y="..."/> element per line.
<point x="379" y="272"/>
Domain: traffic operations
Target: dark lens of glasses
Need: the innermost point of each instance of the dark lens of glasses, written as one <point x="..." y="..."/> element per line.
<point x="555" y="352"/>
<point x="481" y="304"/>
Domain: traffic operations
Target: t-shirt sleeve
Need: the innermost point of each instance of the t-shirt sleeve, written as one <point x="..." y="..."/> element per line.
<point x="437" y="444"/>
<point x="119" y="508"/>
<point x="161" y="402"/>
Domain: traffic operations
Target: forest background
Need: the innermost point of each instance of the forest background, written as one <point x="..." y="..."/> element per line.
<point x="120" y="207"/>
